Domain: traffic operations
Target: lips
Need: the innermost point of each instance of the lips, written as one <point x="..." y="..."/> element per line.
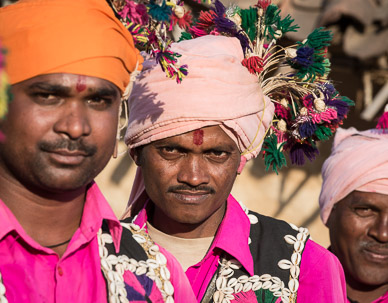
<point x="376" y="255"/>
<point x="189" y="197"/>
<point x="66" y="157"/>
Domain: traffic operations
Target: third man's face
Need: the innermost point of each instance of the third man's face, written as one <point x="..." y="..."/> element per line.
<point x="189" y="176"/>
<point x="359" y="237"/>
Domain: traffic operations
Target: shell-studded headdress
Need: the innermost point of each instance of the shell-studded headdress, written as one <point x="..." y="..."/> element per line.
<point x="307" y="106"/>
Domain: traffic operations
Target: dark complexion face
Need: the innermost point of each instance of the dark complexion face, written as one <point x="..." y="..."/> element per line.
<point x="187" y="181"/>
<point x="359" y="238"/>
<point x="60" y="131"/>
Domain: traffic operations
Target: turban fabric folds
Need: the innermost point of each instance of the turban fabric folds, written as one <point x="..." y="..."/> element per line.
<point x="359" y="161"/>
<point x="218" y="90"/>
<point x="62" y="36"/>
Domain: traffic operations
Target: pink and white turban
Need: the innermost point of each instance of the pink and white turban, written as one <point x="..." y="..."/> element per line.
<point x="218" y="90"/>
<point x="358" y="161"/>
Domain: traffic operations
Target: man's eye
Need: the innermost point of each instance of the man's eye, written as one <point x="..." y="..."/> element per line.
<point x="363" y="211"/>
<point x="169" y="149"/>
<point x="45" y="97"/>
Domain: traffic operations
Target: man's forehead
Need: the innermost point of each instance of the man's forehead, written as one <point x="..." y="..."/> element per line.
<point x="67" y="81"/>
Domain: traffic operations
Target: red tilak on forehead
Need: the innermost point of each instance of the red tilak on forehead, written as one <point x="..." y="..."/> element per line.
<point x="81" y="83"/>
<point x="198" y="137"/>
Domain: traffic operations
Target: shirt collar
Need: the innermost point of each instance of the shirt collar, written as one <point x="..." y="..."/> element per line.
<point x="96" y="209"/>
<point x="232" y="234"/>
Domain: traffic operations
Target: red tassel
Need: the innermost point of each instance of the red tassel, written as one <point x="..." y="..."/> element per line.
<point x="254" y="64"/>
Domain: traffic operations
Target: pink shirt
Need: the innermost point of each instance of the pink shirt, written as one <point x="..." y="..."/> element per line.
<point x="32" y="273"/>
<point x="321" y="278"/>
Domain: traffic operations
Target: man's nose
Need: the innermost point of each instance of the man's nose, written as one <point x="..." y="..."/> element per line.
<point x="73" y="120"/>
<point x="379" y="230"/>
<point x="193" y="171"/>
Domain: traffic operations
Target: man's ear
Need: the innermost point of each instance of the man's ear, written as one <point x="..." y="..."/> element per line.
<point x="136" y="155"/>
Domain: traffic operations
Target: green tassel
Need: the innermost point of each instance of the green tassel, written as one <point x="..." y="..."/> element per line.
<point x="285" y="25"/>
<point x="271" y="18"/>
<point x="273" y="156"/>
<point x="347" y="100"/>
<point x="249" y="20"/>
<point x="319" y="38"/>
<point x="185" y="36"/>
<point x="323" y="133"/>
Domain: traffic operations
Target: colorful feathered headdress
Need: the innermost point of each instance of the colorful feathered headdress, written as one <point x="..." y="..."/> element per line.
<point x="150" y="22"/>
<point x="307" y="106"/>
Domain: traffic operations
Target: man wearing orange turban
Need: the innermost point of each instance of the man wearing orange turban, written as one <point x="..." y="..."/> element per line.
<point x="69" y="63"/>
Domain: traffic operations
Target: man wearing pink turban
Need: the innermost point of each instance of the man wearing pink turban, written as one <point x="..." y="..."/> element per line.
<point x="190" y="141"/>
<point x="354" y="206"/>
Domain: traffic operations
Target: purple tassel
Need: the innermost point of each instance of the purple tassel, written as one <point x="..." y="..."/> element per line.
<point x="298" y="151"/>
<point x="307" y="129"/>
<point x="341" y="106"/>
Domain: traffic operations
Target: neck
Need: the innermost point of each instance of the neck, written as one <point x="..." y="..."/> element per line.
<point x="365" y="294"/>
<point x="48" y="218"/>
<point x="167" y="225"/>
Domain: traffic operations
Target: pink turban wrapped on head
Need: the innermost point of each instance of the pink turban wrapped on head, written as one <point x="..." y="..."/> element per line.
<point x="359" y="161"/>
<point x="218" y="90"/>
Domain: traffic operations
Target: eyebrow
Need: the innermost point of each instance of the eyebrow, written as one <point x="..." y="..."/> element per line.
<point x="65" y="90"/>
<point x="49" y="87"/>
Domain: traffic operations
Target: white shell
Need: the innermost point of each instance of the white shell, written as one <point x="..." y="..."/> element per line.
<point x="295" y="271"/>
<point x="152" y="263"/>
<point x="139" y="239"/>
<point x="254" y="279"/>
<point x="112" y="259"/>
<point x="170" y="299"/>
<point x="154" y="249"/>
<point x="298" y="246"/>
<point x="228" y="290"/>
<point x="265" y="277"/>
<point x="238" y="287"/>
<point x="165" y="273"/>
<point x="274" y="287"/>
<point x="107" y="238"/>
<point x="257" y="285"/>
<point x="220" y="283"/>
<point x="113" y="288"/>
<point x="277" y="293"/>
<point x="227" y="271"/>
<point x="276" y="280"/>
<point x="243" y="279"/>
<point x="141" y="271"/>
<point x="290" y="239"/>
<point x="253" y="219"/>
<point x="168" y="288"/>
<point x="293" y="285"/>
<point x="161" y="259"/>
<point x="232" y="282"/>
<point x="267" y="284"/>
<point x="2" y="288"/>
<point x="247" y="287"/>
<point x="216" y="296"/>
<point x="295" y="258"/>
<point x="284" y="264"/>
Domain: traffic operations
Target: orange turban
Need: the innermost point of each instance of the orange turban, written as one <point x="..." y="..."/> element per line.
<point x="67" y="36"/>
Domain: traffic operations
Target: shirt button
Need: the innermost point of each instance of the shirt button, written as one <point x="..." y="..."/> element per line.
<point x="60" y="271"/>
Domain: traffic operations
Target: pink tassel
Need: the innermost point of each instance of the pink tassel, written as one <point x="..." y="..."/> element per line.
<point x="383" y="121"/>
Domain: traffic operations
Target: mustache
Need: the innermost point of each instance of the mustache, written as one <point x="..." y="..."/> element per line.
<point x="70" y="145"/>
<point x="373" y="245"/>
<point x="186" y="187"/>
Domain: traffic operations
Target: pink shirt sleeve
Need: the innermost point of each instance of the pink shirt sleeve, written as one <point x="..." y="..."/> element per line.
<point x="321" y="277"/>
<point x="183" y="292"/>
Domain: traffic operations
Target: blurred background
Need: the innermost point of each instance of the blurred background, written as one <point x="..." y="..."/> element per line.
<point x="359" y="57"/>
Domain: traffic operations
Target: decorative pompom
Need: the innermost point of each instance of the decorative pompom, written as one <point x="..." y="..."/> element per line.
<point x="307" y="129"/>
<point x="183" y="22"/>
<point x="254" y="64"/>
<point x="299" y="150"/>
<point x="273" y="153"/>
<point x="383" y="121"/>
<point x="249" y="22"/>
<point x="160" y="12"/>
